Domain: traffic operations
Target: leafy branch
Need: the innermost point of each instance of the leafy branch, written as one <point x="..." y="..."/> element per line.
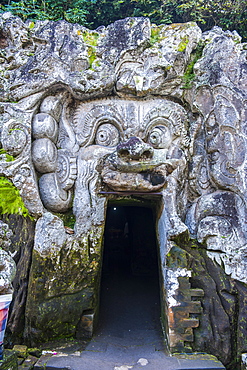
<point x="10" y="199"/>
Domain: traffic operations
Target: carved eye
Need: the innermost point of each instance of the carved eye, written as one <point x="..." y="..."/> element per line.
<point x="107" y="135"/>
<point x="160" y="137"/>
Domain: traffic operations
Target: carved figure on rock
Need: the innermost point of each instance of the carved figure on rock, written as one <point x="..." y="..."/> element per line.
<point x="125" y="147"/>
<point x="226" y="146"/>
<point x="220" y="222"/>
<point x="152" y="114"/>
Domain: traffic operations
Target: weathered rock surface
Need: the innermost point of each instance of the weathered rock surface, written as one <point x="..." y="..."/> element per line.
<point x="7" y="264"/>
<point x="130" y="111"/>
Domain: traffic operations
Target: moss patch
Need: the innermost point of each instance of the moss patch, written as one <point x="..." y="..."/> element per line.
<point x="155" y="35"/>
<point x="90" y="38"/>
<point x="68" y="218"/>
<point x="183" y="43"/>
<point x="189" y="74"/>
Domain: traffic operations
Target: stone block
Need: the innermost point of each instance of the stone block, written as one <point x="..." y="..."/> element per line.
<point x="28" y="363"/>
<point x="41" y="364"/>
<point x="20" y="350"/>
<point x="86" y="324"/>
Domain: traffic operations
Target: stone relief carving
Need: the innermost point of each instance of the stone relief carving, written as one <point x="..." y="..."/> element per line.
<point x="219" y="221"/>
<point x="128" y="146"/>
<point x="82" y="130"/>
<point x="226" y="147"/>
<point x="57" y="166"/>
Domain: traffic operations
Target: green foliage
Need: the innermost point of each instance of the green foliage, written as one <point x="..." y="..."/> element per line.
<point x="10" y="199"/>
<point x="68" y="218"/>
<point x="8" y="157"/>
<point x="183" y="43"/>
<point x="74" y="11"/>
<point x="189" y="74"/>
<point x="90" y="38"/>
<point x="228" y="14"/>
<point x="155" y="35"/>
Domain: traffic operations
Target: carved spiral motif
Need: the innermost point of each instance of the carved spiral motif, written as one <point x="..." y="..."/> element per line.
<point x="171" y="115"/>
<point x="52" y="195"/>
<point x="107" y="135"/>
<point x="66" y="169"/>
<point x="85" y="126"/>
<point x="14" y="138"/>
<point x="51" y="105"/>
<point x="58" y="166"/>
<point x="160" y="137"/>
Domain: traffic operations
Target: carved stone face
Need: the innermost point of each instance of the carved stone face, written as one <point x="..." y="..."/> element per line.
<point x="123" y="145"/>
<point x="225" y="148"/>
<point x="222" y="227"/>
<point x="140" y="138"/>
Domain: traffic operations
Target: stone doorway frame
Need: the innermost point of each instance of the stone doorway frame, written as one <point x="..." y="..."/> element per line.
<point x="176" y="319"/>
<point x="152" y="201"/>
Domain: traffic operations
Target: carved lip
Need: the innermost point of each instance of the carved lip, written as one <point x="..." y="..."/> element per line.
<point x="116" y="163"/>
<point x="146" y="181"/>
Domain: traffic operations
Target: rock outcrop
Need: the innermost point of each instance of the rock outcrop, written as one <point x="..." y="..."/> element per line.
<point x="128" y="110"/>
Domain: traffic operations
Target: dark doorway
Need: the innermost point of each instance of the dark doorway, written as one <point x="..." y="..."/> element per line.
<point x="130" y="302"/>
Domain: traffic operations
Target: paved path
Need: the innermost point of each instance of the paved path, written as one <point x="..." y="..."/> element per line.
<point x="129" y="334"/>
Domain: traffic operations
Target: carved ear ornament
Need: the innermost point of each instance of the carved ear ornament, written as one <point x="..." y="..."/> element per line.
<point x="57" y="166"/>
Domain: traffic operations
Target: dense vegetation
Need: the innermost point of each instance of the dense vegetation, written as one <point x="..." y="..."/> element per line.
<point x="228" y="14"/>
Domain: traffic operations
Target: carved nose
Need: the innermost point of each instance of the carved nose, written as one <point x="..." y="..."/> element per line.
<point x="135" y="148"/>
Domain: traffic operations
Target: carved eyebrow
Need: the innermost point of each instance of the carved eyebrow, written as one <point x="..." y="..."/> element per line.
<point x="175" y="116"/>
<point x="87" y="124"/>
<point x="161" y="115"/>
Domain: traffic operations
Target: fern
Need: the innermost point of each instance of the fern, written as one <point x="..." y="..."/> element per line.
<point x="10" y="199"/>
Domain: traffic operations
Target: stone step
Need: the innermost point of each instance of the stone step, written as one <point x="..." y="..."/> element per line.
<point x="133" y="337"/>
<point x="28" y="363"/>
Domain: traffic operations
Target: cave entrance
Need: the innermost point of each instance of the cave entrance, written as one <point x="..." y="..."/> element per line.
<point x="130" y="292"/>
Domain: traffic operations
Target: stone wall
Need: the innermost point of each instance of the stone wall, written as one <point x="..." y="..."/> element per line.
<point x="125" y="110"/>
